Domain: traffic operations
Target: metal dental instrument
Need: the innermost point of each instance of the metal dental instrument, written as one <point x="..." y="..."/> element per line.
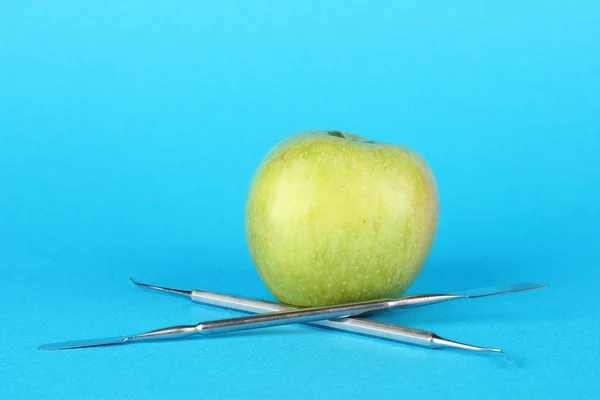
<point x="379" y="330"/>
<point x="234" y="324"/>
<point x="304" y="315"/>
<point x="410" y="301"/>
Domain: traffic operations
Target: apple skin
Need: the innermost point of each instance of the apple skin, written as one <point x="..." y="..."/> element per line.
<point x="332" y="218"/>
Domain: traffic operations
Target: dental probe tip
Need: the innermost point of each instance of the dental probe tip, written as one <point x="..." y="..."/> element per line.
<point x="161" y="288"/>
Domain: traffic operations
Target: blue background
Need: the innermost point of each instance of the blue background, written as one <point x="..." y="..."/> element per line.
<point x="129" y="132"/>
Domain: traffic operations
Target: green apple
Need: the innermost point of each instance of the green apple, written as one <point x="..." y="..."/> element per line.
<point x="332" y="217"/>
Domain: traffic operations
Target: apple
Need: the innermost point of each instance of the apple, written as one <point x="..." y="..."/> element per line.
<point x="332" y="217"/>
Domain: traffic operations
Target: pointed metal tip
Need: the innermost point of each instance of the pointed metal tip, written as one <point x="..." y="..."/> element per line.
<point x="161" y="288"/>
<point x="537" y="285"/>
<point x="507" y="358"/>
<point x="501" y="352"/>
<point x="512" y="288"/>
<point x="78" y="344"/>
<point x="440" y="342"/>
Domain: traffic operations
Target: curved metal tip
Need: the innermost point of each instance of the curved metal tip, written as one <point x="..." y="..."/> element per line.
<point x="440" y="342"/>
<point x="161" y="288"/>
<point x="501" y="352"/>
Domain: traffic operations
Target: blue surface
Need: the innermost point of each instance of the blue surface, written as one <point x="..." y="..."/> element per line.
<point x="128" y="135"/>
